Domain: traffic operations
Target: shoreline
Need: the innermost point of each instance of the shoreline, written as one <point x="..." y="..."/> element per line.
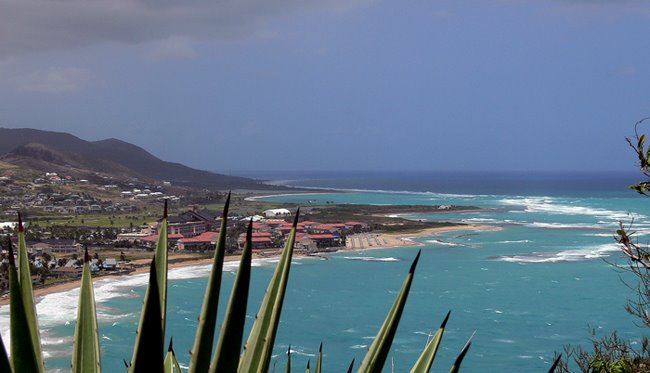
<point x="255" y="198"/>
<point x="375" y="241"/>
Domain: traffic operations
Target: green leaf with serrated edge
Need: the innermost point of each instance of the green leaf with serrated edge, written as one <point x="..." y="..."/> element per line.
<point x="456" y="367"/>
<point x="319" y="361"/>
<point x="376" y="356"/>
<point x="86" y="354"/>
<point x="226" y="356"/>
<point x="203" y="342"/>
<point x="259" y="347"/>
<point x="25" y="278"/>
<point x="425" y="360"/>
<point x="148" y="349"/>
<point x="289" y="359"/>
<point x="23" y="356"/>
<point x="161" y="266"/>
<point x="5" y="365"/>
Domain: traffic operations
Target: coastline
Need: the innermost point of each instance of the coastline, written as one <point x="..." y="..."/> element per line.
<point x="375" y="241"/>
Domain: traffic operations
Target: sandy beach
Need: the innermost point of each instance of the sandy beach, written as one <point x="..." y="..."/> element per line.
<point x="365" y="241"/>
<point x="355" y="242"/>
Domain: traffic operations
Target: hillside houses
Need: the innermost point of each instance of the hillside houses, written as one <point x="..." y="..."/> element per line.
<point x="62" y="203"/>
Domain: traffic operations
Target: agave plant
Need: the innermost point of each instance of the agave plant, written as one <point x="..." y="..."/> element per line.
<point x="148" y="351"/>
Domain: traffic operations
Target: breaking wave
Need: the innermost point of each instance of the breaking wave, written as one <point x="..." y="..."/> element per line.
<point x="568" y="226"/>
<point x="371" y="259"/>
<point x="550" y="205"/>
<point x="574" y="255"/>
<point x="451" y="244"/>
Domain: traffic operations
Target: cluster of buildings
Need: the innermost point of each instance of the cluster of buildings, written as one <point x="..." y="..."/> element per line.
<point x="198" y="230"/>
<point x="145" y="194"/>
<point x="194" y="230"/>
<point x="15" y="196"/>
<point x="62" y="203"/>
<point x="56" y="258"/>
<point x="311" y="236"/>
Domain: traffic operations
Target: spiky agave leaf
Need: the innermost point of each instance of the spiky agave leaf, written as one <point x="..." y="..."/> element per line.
<point x="376" y="356"/>
<point x="456" y="367"/>
<point x="23" y="355"/>
<point x="203" y="342"/>
<point x="259" y="347"/>
<point x="319" y="361"/>
<point x="5" y="365"/>
<point x="226" y="356"/>
<point x="289" y="359"/>
<point x="86" y="356"/>
<point x="307" y="370"/>
<point x="555" y="363"/>
<point x="148" y="349"/>
<point x="429" y="354"/>
<point x="161" y="266"/>
<point x="171" y="364"/>
<point x="25" y="278"/>
<point x="351" y="366"/>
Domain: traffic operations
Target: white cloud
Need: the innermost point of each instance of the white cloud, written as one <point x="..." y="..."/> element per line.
<point x="45" y="25"/>
<point x="53" y="80"/>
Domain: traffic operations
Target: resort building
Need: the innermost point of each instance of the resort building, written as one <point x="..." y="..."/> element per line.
<point x="204" y="242"/>
<point x="194" y="222"/>
<point x="51" y="246"/>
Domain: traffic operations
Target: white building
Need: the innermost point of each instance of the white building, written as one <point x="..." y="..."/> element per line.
<point x="274" y="213"/>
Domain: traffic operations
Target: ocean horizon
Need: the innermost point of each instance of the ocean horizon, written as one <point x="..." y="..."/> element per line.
<point x="541" y="278"/>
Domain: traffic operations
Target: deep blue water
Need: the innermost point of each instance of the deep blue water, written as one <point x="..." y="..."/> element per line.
<point x="539" y="279"/>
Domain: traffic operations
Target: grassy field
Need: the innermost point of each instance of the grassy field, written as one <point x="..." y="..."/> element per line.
<point x="96" y="220"/>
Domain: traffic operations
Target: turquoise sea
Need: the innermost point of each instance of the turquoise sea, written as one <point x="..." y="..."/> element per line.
<point x="539" y="279"/>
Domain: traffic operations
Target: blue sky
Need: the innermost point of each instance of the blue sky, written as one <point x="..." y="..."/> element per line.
<point x="335" y="85"/>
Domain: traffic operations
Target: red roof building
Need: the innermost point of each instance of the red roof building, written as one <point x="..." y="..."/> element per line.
<point x="203" y="242"/>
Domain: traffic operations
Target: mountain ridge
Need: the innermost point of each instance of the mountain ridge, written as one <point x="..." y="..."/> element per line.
<point x="40" y="149"/>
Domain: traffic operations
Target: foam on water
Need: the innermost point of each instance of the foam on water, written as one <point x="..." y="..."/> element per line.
<point x="573" y="255"/>
<point x="371" y="259"/>
<point x="451" y="244"/>
<point x="569" y="226"/>
<point x="551" y="206"/>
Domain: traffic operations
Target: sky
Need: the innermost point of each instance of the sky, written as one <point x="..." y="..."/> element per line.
<point x="308" y="85"/>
